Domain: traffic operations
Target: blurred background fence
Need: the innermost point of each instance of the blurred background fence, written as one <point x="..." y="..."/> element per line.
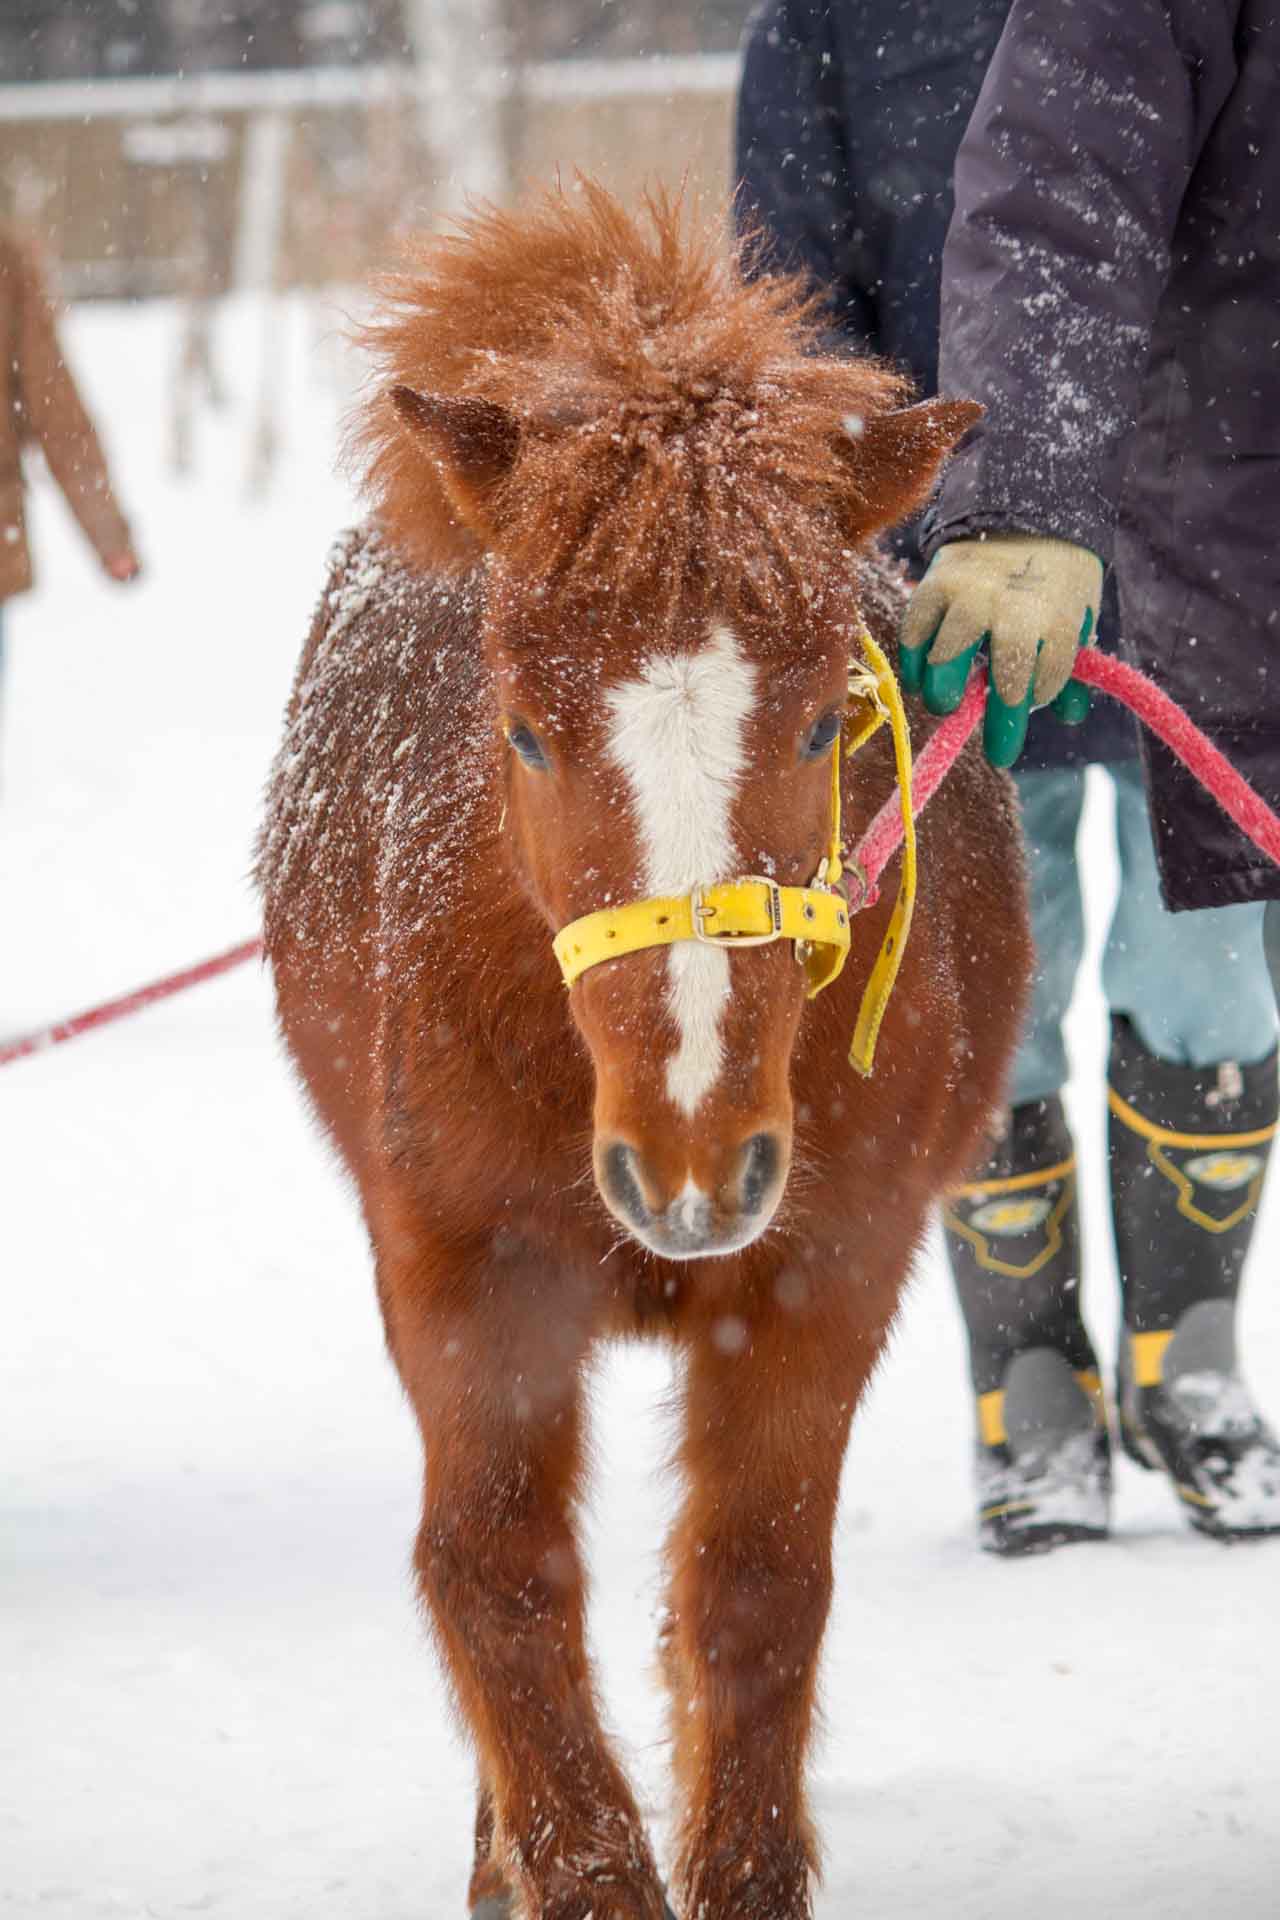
<point x="182" y="148"/>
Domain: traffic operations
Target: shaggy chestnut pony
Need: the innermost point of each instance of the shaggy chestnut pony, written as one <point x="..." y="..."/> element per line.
<point x="591" y="648"/>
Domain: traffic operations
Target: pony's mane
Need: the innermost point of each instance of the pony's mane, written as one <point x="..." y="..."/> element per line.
<point x="680" y="426"/>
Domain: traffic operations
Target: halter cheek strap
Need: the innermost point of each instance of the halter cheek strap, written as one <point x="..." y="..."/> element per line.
<point x="754" y="912"/>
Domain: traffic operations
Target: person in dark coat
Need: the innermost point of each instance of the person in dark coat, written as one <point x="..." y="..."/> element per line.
<point x="849" y="120"/>
<point x="1110" y="293"/>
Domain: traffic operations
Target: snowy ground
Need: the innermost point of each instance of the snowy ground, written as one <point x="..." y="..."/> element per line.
<point x="215" y="1696"/>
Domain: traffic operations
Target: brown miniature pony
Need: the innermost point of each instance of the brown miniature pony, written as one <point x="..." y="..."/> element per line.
<point x="593" y="647"/>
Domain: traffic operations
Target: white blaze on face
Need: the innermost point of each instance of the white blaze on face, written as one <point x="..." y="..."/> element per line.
<point x="677" y="736"/>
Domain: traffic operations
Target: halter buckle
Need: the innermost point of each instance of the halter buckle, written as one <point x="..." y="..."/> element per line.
<point x="700" y="913"/>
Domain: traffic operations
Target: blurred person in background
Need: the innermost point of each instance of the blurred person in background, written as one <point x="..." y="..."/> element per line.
<point x="39" y="404"/>
<point x="850" y="118"/>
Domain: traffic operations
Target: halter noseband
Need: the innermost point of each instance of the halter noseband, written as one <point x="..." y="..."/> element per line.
<point x="748" y="912"/>
<point x="754" y="912"/>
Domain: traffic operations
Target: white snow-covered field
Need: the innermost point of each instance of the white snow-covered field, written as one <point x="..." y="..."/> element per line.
<point x="215" y="1695"/>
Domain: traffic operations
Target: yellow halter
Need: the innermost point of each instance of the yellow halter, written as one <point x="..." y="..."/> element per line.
<point x="754" y="912"/>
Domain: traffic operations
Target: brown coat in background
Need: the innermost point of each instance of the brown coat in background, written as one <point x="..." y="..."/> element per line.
<point x="39" y="402"/>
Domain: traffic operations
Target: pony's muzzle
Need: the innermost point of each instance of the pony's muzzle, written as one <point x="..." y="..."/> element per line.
<point x="692" y="1217"/>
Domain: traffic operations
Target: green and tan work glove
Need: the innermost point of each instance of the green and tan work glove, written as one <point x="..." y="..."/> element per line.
<point x="1033" y="600"/>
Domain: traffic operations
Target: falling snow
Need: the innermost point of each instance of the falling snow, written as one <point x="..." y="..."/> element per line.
<point x="218" y="1697"/>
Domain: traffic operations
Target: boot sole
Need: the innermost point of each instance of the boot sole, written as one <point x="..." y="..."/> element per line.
<point x="1228" y="1536"/>
<point x="1145" y="1453"/>
<point x="1012" y="1543"/>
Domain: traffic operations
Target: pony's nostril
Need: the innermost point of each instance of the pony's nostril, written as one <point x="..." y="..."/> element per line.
<point x="761" y="1161"/>
<point x="619" y="1166"/>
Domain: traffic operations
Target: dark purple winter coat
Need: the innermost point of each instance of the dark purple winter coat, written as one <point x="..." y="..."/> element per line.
<point x="1111" y="291"/>
<point x="849" y="117"/>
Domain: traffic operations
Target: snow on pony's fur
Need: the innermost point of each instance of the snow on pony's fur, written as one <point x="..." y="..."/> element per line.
<point x="622" y="501"/>
<point x="675" y="415"/>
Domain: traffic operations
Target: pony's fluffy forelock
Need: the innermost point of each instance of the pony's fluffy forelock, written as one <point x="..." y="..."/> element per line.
<point x="680" y="426"/>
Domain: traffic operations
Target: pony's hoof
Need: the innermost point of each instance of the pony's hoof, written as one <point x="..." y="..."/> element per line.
<point x="500" y="1908"/>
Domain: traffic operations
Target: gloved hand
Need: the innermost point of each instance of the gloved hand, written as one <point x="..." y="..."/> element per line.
<point x="1034" y="599"/>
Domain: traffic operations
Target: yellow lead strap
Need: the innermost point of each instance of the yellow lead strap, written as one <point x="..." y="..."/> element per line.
<point x="880" y="686"/>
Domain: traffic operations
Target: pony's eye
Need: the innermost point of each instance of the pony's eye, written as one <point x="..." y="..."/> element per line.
<point x="821" y="735"/>
<point x="524" y="741"/>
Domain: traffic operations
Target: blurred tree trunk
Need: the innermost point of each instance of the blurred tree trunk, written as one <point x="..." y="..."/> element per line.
<point x="520" y="37"/>
<point x="256" y="272"/>
<point x="471" y="55"/>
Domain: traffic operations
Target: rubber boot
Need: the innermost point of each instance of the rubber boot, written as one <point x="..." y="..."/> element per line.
<point x="1043" y="1452"/>
<point x="1189" y="1152"/>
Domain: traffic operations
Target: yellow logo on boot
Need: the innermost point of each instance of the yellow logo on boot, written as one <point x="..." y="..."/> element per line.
<point x="1012" y="1216"/>
<point x="1223" y="1171"/>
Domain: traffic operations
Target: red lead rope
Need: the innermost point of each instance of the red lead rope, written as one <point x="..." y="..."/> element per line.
<point x="1169" y="723"/>
<point x="128" y="1003"/>
<point x="874" y="851"/>
<point x="1132" y="689"/>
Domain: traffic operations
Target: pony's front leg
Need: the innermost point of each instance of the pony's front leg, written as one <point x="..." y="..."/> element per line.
<point x="767" y="1419"/>
<point x="493" y="1370"/>
<point x="489" y="1896"/>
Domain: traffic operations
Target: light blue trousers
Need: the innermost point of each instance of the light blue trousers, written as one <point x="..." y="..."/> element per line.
<point x="1195" y="985"/>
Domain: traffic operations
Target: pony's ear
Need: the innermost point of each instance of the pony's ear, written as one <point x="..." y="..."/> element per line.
<point x="473" y="446"/>
<point x="895" y="457"/>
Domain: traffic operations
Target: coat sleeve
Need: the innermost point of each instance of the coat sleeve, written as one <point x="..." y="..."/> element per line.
<point x="791" y="161"/>
<point x="1069" y="184"/>
<point x="51" y="412"/>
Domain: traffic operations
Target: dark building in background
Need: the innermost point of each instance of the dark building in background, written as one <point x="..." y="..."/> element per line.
<point x="626" y="29"/>
<point x="120" y="39"/>
<point x="58" y="40"/>
<point x="285" y="33"/>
